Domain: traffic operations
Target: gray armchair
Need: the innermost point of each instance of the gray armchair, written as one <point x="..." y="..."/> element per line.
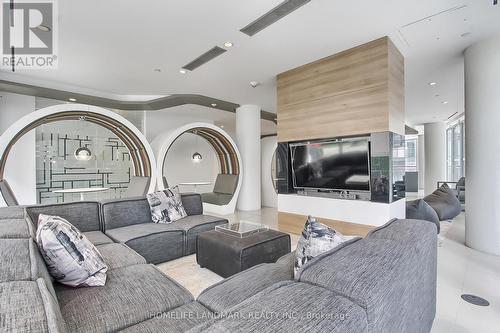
<point x="7" y="194"/>
<point x="225" y="186"/>
<point x="138" y="187"/>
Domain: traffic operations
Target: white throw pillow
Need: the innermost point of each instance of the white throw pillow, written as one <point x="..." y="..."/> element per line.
<point x="316" y="239"/>
<point x="166" y="206"/>
<point x="71" y="258"/>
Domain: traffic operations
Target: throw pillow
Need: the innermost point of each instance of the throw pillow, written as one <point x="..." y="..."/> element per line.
<point x="166" y="206"/>
<point x="316" y="239"/>
<point x="71" y="258"/>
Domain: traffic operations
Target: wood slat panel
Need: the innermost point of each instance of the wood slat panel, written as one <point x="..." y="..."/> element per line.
<point x="355" y="92"/>
<point x="294" y="224"/>
<point x="396" y="90"/>
<point x="355" y="69"/>
<point x="333" y="116"/>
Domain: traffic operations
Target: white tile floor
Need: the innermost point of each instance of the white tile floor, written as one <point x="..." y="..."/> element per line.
<point x="460" y="270"/>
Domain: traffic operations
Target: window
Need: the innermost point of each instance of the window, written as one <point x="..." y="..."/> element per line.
<point x="411" y="154"/>
<point x="455" y="151"/>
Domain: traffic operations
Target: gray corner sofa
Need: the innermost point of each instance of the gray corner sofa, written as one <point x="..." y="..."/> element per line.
<point x="385" y="282"/>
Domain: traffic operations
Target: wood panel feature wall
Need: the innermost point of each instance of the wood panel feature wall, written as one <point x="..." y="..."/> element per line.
<point x="294" y="224"/>
<point x="358" y="91"/>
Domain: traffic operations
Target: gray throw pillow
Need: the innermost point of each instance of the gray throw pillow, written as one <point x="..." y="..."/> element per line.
<point x="166" y="206"/>
<point x="316" y="239"/>
<point x="70" y="257"/>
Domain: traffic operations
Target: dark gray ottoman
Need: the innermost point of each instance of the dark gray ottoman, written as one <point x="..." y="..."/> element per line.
<point x="227" y="255"/>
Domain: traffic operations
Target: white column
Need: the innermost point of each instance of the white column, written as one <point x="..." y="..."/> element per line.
<point x="482" y="137"/>
<point x="435" y="155"/>
<point x="248" y="141"/>
<point x="421" y="161"/>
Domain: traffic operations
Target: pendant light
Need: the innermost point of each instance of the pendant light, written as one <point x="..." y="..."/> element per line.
<point x="83" y="154"/>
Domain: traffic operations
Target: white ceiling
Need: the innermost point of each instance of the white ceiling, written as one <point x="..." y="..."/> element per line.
<point x="111" y="48"/>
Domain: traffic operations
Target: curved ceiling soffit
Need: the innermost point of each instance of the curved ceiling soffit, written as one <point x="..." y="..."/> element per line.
<point x="141" y="153"/>
<point x="151" y="105"/>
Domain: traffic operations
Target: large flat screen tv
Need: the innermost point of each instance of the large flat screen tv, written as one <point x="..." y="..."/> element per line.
<point x="332" y="165"/>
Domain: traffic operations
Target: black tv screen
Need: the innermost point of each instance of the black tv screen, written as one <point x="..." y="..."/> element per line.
<point x="335" y="165"/>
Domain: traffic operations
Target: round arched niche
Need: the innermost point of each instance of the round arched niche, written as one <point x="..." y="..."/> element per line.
<point x="224" y="146"/>
<point x="143" y="161"/>
<point x="268" y="182"/>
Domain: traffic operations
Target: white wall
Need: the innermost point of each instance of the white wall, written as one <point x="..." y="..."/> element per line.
<point x="435" y="155"/>
<point x="269" y="195"/>
<point x="20" y="167"/>
<point x="179" y="166"/>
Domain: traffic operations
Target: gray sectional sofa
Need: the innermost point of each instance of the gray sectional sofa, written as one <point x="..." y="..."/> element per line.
<point x="385" y="282"/>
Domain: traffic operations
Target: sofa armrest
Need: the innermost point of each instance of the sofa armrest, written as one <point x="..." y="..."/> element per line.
<point x="192" y="203"/>
<point x="237" y="288"/>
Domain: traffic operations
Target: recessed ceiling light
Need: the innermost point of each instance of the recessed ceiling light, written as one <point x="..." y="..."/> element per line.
<point x="432" y="83"/>
<point x="445" y="102"/>
<point x="465" y="34"/>
<point x="72" y="99"/>
<point x="182" y="71"/>
<point x="43" y="28"/>
<point x="214" y="104"/>
<point x="254" y="84"/>
<point x="228" y="44"/>
<point x="221" y="126"/>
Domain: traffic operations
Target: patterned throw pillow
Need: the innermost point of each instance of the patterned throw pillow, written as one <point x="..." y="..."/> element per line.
<point x="316" y="239"/>
<point x="166" y="206"/>
<point x="71" y="258"/>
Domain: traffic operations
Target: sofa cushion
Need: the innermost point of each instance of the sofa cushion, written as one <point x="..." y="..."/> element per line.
<point x="166" y="206"/>
<point x="71" y="258"/>
<point x="27" y="306"/>
<point x="15" y="228"/>
<point x="420" y="210"/>
<point x="97" y="237"/>
<point x="119" y="255"/>
<point x="156" y="242"/>
<point x="84" y="215"/>
<point x="218" y="199"/>
<point x="21" y="260"/>
<point x="291" y="307"/>
<point x="131" y="295"/>
<point x="394" y="280"/>
<point x="16" y="212"/>
<point x="193" y="225"/>
<point x="180" y="319"/>
<point x="118" y="213"/>
<point x="15" y="259"/>
<point x="192" y="203"/>
<point x="445" y="202"/>
<point x="231" y="291"/>
<point x="316" y="239"/>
